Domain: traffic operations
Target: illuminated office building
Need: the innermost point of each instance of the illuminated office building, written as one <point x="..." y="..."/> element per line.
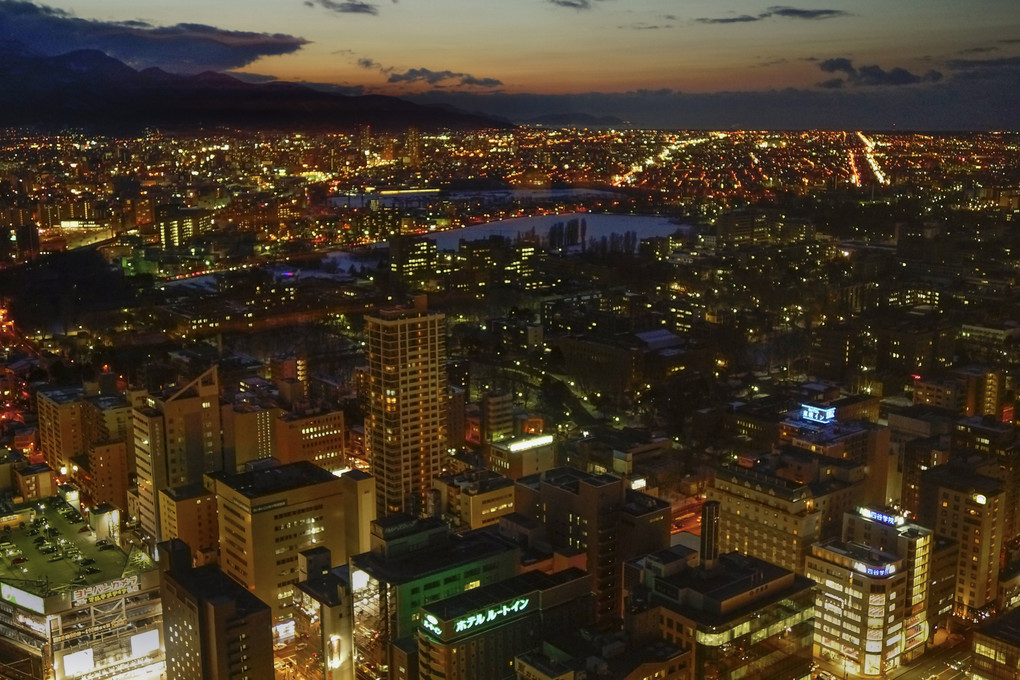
<point x="968" y="508"/>
<point x="475" y="499"/>
<point x="406" y="405"/>
<point x="249" y="432"/>
<point x="412" y="259"/>
<point x="60" y="426"/>
<point x="497" y="416"/>
<point x="214" y="628"/>
<point x="323" y="618"/>
<point x="872" y="595"/>
<point x="177" y="439"/>
<point x="315" y="437"/>
<point x="600" y="516"/>
<point x="268" y="516"/>
<point x="818" y="430"/>
<point x="478" y="633"/>
<point x="774" y="507"/>
<point x="995" y="649"/>
<point x="188" y="513"/>
<point x="742" y="617"/>
<point x="522" y="456"/>
<point x="413" y="563"/>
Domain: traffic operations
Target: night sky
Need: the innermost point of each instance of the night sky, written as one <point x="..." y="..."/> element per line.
<point x="909" y="64"/>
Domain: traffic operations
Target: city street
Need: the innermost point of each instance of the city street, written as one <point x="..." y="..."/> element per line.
<point x="937" y="664"/>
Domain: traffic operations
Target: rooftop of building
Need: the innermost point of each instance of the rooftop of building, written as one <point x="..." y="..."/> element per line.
<point x="974" y="369"/>
<point x="785" y="454"/>
<point x="33" y="469"/>
<point x="186" y="491"/>
<point x="248" y="403"/>
<point x="273" y="480"/>
<point x="828" y="433"/>
<point x="105" y="402"/>
<point x="923" y="412"/>
<point x="208" y="583"/>
<point x="477" y="481"/>
<point x="544" y="663"/>
<point x="401" y="524"/>
<point x="1005" y="628"/>
<point x="387" y="314"/>
<point x="634" y="656"/>
<point x="323" y="414"/>
<point x="986" y="424"/>
<point x="732" y="575"/>
<point x="673" y="555"/>
<point x="612" y="652"/>
<point x="479" y="598"/>
<point x="771" y="407"/>
<point x="460" y="550"/>
<point x="962" y="478"/>
<point x="763" y="475"/>
<point x="860" y="553"/>
<point x="637" y="503"/>
<point x="851" y="399"/>
<point x="568" y="479"/>
<point x="60" y="551"/>
<point x="325" y="589"/>
<point x="62" y="394"/>
<point x="357" y="475"/>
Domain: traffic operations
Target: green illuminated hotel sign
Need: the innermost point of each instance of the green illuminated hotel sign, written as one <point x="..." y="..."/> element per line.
<point x="492" y="614"/>
<point x="431" y="624"/>
<point x="495" y="614"/>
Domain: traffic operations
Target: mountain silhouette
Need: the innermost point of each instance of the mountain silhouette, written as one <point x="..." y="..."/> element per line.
<point x="89" y="90"/>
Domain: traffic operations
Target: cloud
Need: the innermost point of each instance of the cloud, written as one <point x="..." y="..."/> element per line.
<point x="645" y="27"/>
<point x="875" y="75"/>
<point x="731" y="20"/>
<point x="470" y="80"/>
<point x="793" y="13"/>
<point x="572" y="4"/>
<point x="872" y="75"/>
<point x="349" y="7"/>
<point x="778" y="11"/>
<point x="769" y="62"/>
<point x="417" y="75"/>
<point x="188" y="48"/>
<point x="837" y="65"/>
<point x="438" y="78"/>
<point x="978" y="50"/>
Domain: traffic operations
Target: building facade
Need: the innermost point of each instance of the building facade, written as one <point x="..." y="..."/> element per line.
<point x="406" y="405"/>
<point x="872" y="596"/>
<point x="267" y="517"/>
<point x="214" y="628"/>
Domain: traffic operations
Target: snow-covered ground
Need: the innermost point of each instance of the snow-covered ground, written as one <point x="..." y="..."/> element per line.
<point x="495" y="197"/>
<point x="598" y="225"/>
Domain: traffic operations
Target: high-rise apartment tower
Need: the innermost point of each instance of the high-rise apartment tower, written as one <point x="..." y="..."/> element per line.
<point x="406" y="405"/>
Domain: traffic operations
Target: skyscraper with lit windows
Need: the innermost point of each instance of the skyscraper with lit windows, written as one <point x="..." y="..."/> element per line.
<point x="406" y="405"/>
